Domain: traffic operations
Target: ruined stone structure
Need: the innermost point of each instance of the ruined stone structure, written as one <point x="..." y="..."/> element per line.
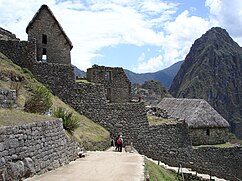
<point x="170" y="143"/>
<point x="206" y="125"/>
<point x="115" y="81"/>
<point x="33" y="149"/>
<point x="53" y="45"/>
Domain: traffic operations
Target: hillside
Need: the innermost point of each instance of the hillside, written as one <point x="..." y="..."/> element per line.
<point x="14" y="77"/>
<point x="212" y="71"/>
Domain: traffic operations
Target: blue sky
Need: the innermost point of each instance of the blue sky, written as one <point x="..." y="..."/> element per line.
<point x="139" y="35"/>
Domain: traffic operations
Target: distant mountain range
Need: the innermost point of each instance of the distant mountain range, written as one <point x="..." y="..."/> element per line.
<point x="212" y="70"/>
<point x="165" y="76"/>
<point x="78" y="72"/>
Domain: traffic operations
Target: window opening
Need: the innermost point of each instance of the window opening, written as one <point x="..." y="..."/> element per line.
<point x="44" y="39"/>
<point x="208" y="132"/>
<point x="108" y="94"/>
<point x="44" y="56"/>
<point x="108" y="76"/>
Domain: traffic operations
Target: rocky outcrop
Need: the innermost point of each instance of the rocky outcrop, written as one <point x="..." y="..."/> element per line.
<point x="212" y="71"/>
<point x="7" y="35"/>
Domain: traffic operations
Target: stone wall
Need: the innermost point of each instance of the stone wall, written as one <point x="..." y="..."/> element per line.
<point x="222" y="162"/>
<point x="7" y="98"/>
<point x="56" y="47"/>
<point x="208" y="136"/>
<point x="56" y="76"/>
<point x="166" y="142"/>
<point x="33" y="149"/>
<point x="170" y="143"/>
<point x="21" y="53"/>
<point x="115" y="81"/>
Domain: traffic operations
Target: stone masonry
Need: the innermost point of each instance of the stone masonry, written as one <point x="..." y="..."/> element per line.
<point x="51" y="40"/>
<point x="33" y="149"/>
<point x="7" y="98"/>
<point x="115" y="81"/>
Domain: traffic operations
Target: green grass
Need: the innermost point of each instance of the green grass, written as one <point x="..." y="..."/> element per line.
<point x="224" y="145"/>
<point x="158" y="173"/>
<point x="12" y="117"/>
<point x="153" y="120"/>
<point x="83" y="81"/>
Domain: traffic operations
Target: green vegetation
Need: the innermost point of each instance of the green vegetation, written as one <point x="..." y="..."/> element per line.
<point x="158" y="173"/>
<point x="156" y="87"/>
<point x="224" y="145"/>
<point x="89" y="134"/>
<point x="70" y="123"/>
<point x="40" y="101"/>
<point x="83" y="81"/>
<point x="153" y="120"/>
<point x="12" y="117"/>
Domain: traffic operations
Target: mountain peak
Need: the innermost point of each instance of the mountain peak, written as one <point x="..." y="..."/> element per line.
<point x="212" y="71"/>
<point x="216" y="38"/>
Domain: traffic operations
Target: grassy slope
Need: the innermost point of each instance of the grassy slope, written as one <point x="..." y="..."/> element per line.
<point x="153" y="120"/>
<point x="12" y="117"/>
<point x="89" y="133"/>
<point x="158" y="173"/>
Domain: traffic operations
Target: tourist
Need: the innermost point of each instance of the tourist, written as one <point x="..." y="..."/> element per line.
<point x="120" y="143"/>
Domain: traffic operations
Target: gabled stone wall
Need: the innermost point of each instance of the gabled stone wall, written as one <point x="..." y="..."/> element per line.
<point x="56" y="47"/>
<point x="33" y="149"/>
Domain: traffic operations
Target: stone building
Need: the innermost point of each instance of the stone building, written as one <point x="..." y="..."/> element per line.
<point x="53" y="45"/>
<point x="206" y="125"/>
<point x="115" y="81"/>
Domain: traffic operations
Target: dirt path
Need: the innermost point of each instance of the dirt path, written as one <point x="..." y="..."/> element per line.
<point x="103" y="166"/>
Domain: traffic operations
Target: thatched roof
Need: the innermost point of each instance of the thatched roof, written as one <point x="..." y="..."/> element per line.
<point x="196" y="112"/>
<point x="52" y="15"/>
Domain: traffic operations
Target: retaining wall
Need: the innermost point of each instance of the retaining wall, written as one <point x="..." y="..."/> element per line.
<point x="33" y="149"/>
<point x="222" y="162"/>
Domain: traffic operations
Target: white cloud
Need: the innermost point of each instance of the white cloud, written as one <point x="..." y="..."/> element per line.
<point x="151" y="65"/>
<point x="178" y="37"/>
<point x="227" y="14"/>
<point x="141" y="57"/>
<point x="94" y="25"/>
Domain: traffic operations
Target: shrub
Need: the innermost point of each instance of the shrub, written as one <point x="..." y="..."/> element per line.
<point x="70" y="123"/>
<point x="40" y="101"/>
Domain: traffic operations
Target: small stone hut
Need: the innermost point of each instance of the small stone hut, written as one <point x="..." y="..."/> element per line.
<point x="53" y="45"/>
<point x="115" y="81"/>
<point x="206" y="125"/>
